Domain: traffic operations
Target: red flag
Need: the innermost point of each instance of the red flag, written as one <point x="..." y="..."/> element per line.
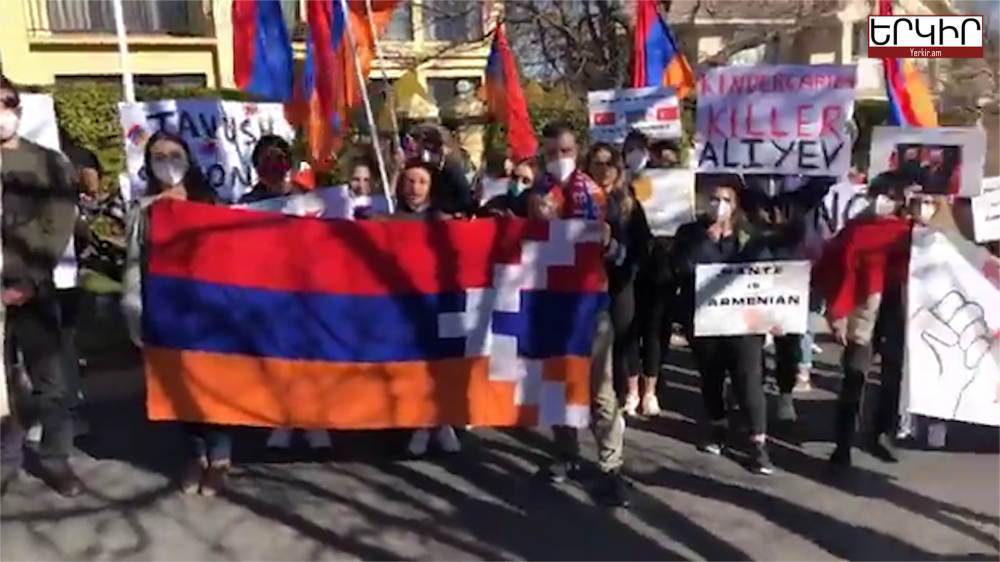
<point x="506" y="99"/>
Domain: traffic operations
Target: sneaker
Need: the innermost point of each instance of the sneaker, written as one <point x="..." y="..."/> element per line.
<point x="61" y="478"/>
<point x="816" y="348"/>
<point x="786" y="408"/>
<point x="803" y="381"/>
<point x="612" y="490"/>
<point x="419" y="441"/>
<point x="215" y="479"/>
<point x="883" y="448"/>
<point x="760" y="462"/>
<point x="318" y="438"/>
<point x="715" y="444"/>
<point x="651" y="405"/>
<point x="280" y="438"/>
<point x="191" y="479"/>
<point x="631" y="405"/>
<point x="448" y="439"/>
<point x="558" y="471"/>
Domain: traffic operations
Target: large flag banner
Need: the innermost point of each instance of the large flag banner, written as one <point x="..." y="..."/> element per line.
<point x="782" y="119"/>
<point x="263" y="319"/>
<point x="952" y="350"/>
<point x="222" y="135"/>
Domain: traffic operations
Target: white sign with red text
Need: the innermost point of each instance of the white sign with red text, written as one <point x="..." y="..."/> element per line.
<point x="781" y="119"/>
<point x="653" y="111"/>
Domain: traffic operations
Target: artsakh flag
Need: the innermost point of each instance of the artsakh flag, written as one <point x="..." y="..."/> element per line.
<point x="265" y="320"/>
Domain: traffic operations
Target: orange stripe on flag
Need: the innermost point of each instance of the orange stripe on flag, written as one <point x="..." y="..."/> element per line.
<point x="251" y="391"/>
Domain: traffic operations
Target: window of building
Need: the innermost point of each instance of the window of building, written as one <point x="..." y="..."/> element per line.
<point x="401" y="25"/>
<point x="141" y="80"/>
<point x="859" y="40"/>
<point x="444" y="90"/>
<point x="176" y="17"/>
<point x="453" y="20"/>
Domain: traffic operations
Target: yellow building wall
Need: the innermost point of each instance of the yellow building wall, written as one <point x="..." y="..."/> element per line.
<point x="36" y="58"/>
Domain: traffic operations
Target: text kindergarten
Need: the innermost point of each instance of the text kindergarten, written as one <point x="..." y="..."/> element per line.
<point x="784" y="119"/>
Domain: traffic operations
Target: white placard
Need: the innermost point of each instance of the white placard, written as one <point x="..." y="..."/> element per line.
<point x="752" y="298"/>
<point x="668" y="197"/>
<point x="39" y="125"/>
<point x="653" y="111"/>
<point x="222" y="135"/>
<point x="952" y="367"/>
<point x="782" y="119"/>
<point x="986" y="216"/>
<point x="842" y="202"/>
<point x="942" y="160"/>
<point x="991" y="183"/>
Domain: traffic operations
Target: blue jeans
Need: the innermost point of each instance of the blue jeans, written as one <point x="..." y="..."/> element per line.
<point x="210" y="442"/>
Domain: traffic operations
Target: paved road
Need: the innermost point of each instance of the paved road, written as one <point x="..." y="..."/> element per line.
<point x="363" y="502"/>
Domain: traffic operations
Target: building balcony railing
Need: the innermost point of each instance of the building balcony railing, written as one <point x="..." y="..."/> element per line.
<point x="167" y="18"/>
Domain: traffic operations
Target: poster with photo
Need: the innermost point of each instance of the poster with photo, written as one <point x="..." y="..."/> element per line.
<point x="941" y="161"/>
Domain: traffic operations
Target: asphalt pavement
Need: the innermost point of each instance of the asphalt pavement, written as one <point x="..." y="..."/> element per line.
<point x="365" y="500"/>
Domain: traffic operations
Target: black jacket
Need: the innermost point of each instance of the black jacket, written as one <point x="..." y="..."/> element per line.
<point x="451" y="191"/>
<point x="633" y="233"/>
<point x="693" y="246"/>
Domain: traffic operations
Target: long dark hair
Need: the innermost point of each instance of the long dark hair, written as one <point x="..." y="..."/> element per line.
<point x="194" y="180"/>
<point x="620" y="193"/>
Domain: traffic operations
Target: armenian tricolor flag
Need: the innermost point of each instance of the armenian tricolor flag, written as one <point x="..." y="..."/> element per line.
<point x="329" y="88"/>
<point x="910" y="102"/>
<point x="260" y="319"/>
<point x="506" y="99"/>
<point x="262" y="50"/>
<point x="657" y="61"/>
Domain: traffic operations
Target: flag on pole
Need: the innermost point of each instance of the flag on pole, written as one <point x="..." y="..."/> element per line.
<point x="262" y="50"/>
<point x="910" y="102"/>
<point x="657" y="61"/>
<point x="328" y="87"/>
<point x="506" y="99"/>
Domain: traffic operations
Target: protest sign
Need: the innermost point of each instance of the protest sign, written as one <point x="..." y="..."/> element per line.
<point x="782" y="119"/>
<point x="952" y="369"/>
<point x="842" y="202"/>
<point x="942" y="160"/>
<point x="222" y="135"/>
<point x="751" y="298"/>
<point x="667" y="197"/>
<point x="653" y="111"/>
<point x="991" y="184"/>
<point x="38" y="124"/>
<point x="986" y="216"/>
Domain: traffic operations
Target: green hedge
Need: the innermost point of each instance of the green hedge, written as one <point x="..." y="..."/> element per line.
<point x="90" y="115"/>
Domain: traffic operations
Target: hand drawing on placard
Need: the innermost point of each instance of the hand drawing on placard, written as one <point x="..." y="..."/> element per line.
<point x="956" y="330"/>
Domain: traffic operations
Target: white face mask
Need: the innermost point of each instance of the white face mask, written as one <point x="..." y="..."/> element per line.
<point x="169" y="173"/>
<point x="561" y="168"/>
<point x="884" y="206"/>
<point x="636" y="160"/>
<point x="720" y="211"/>
<point x="9" y="121"/>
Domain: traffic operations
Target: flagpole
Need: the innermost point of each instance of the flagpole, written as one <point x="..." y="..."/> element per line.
<point x="379" y="157"/>
<point x="4" y="391"/>
<point x="390" y="96"/>
<point x="128" y="81"/>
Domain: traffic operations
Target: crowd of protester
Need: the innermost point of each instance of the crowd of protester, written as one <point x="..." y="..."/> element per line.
<point x="651" y="284"/>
